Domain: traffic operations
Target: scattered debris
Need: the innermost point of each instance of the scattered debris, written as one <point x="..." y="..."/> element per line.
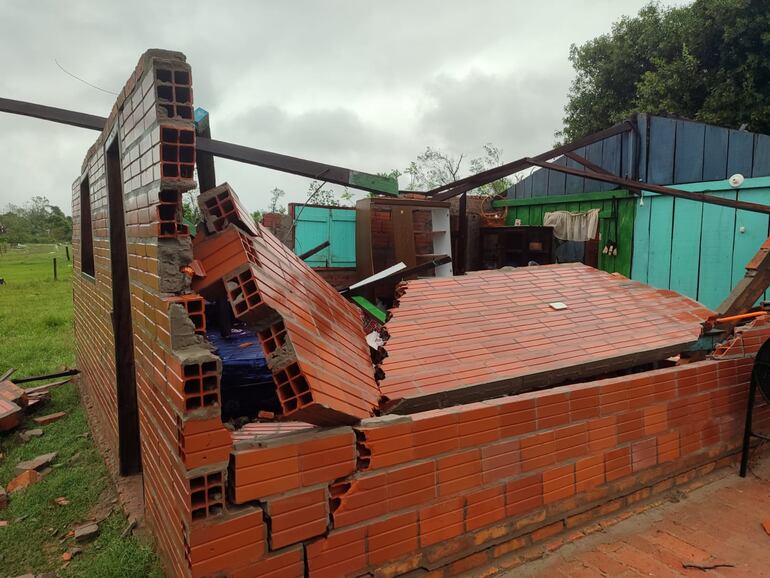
<point x="27" y="435"/>
<point x="129" y="529"/>
<point x="23" y="480"/>
<point x="3" y="498"/>
<point x="65" y="373"/>
<point x="3" y="523"/>
<point x="67" y="556"/>
<point x="263" y="414"/>
<point x="766" y="526"/>
<point x="61" y="501"/>
<point x="86" y="532"/>
<point x="705" y="567"/>
<point x="50" y="418"/>
<point x="8" y="374"/>
<point x="39" y="463"/>
<point x="43" y="389"/>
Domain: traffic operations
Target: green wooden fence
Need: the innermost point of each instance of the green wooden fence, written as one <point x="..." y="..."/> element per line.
<point x="318" y="224"/>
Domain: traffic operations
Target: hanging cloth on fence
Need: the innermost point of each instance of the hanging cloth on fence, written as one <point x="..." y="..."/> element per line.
<point x="573" y="226"/>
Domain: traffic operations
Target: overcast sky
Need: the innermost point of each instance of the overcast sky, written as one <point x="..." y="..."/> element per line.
<point x="361" y="84"/>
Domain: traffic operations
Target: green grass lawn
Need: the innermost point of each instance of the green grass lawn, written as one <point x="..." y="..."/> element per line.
<point x="36" y="337"/>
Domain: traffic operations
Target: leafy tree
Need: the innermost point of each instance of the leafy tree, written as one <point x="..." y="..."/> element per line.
<point x="275" y="196"/>
<point x="706" y="61"/>
<point x="317" y="195"/>
<point x="434" y="167"/>
<point x="35" y="222"/>
<point x="191" y="213"/>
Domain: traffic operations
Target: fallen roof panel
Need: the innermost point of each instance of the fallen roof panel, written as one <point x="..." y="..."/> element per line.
<point x="462" y="339"/>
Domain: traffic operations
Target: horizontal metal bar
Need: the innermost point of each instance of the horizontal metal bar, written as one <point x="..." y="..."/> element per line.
<point x="661" y="190"/>
<point x="473" y="181"/>
<point x="314" y="250"/>
<point x="284" y="163"/>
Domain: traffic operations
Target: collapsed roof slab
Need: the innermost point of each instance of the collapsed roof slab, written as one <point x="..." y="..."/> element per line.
<point x="491" y="333"/>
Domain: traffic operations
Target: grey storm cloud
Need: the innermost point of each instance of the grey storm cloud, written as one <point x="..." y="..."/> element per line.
<point x="366" y="85"/>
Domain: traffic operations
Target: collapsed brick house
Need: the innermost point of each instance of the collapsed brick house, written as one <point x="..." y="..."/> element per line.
<point x="493" y="419"/>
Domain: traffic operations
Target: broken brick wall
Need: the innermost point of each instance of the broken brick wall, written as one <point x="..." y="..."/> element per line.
<point x="184" y="447"/>
<point x="457" y="487"/>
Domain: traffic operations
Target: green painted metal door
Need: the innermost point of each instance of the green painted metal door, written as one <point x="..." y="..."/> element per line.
<point x="316" y="225"/>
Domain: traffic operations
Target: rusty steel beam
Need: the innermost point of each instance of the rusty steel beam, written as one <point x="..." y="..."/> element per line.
<point x="661" y="190"/>
<point x="460" y="186"/>
<point x="275" y="161"/>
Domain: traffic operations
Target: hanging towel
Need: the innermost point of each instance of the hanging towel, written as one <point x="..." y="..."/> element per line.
<point x="573" y="226"/>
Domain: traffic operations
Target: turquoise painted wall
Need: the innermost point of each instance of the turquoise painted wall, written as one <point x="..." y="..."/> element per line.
<point x="697" y="249"/>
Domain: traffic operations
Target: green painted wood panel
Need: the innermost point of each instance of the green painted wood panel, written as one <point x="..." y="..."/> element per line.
<point x="641" y="256"/>
<point x="342" y="238"/>
<point x="751" y="230"/>
<point x="685" y="250"/>
<point x="627" y="208"/>
<point x="312" y="229"/>
<point x="661" y="228"/>
<point x="717" y="238"/>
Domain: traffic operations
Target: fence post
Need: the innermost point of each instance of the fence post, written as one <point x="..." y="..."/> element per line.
<point x="54" y="269"/>
<point x="67" y="250"/>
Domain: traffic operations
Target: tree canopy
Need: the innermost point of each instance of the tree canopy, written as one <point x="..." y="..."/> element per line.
<point x="35" y="222"/>
<point x="707" y="61"/>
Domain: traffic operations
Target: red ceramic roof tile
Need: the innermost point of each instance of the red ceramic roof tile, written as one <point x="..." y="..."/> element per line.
<point x="453" y="337"/>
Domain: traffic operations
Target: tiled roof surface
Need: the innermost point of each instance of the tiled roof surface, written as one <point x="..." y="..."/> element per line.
<point x="452" y="337"/>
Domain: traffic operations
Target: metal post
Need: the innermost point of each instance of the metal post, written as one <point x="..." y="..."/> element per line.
<point x="54" y="269"/>
<point x="462" y="236"/>
<point x="67" y="250"/>
<point x="747" y="427"/>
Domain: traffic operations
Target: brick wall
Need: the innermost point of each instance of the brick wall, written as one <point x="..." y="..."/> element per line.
<point x="450" y="489"/>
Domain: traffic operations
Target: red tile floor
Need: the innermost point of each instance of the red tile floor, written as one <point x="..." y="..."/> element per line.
<point x="720" y="522"/>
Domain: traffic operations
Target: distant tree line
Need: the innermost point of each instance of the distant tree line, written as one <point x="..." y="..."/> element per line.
<point x="37" y="221"/>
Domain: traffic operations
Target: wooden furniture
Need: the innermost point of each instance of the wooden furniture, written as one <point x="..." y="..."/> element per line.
<point x="389" y="231"/>
<point x="515" y="246"/>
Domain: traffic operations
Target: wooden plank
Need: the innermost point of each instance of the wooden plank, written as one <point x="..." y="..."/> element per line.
<point x="364" y="261"/>
<point x="715" y="153"/>
<point x="685" y="250"/>
<point x="740" y="153"/>
<point x="761" y="164"/>
<point x="660" y="169"/>
<point x="611" y="157"/>
<point x="575" y="185"/>
<point x="626" y="210"/>
<point x="641" y="252"/>
<point x="643" y="126"/>
<point x="716" y="256"/>
<point x="594" y="154"/>
<point x="557" y="182"/>
<point x="540" y="183"/>
<point x="528" y="186"/>
<point x="403" y="236"/>
<point x="688" y="156"/>
<point x="661" y="229"/>
<point x="751" y="230"/>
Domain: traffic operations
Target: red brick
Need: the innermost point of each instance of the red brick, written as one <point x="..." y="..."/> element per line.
<point x="602" y="434"/>
<point x="297" y="517"/>
<point x="459" y="472"/>
<point x="441" y="521"/>
<point x="518" y="418"/>
<point x="392" y="538"/>
<point x="343" y="552"/>
<point x="484" y="508"/>
<point x="547" y="531"/>
<point x="523" y="495"/>
<point x="571" y="442"/>
<point x="589" y="473"/>
<point x="501" y="460"/>
<point x="668" y="446"/>
<point x="479" y="424"/>
<point x="644" y="454"/>
<point x="558" y="483"/>
<point x="617" y="463"/>
<point x="537" y="451"/>
<point x="552" y="410"/>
